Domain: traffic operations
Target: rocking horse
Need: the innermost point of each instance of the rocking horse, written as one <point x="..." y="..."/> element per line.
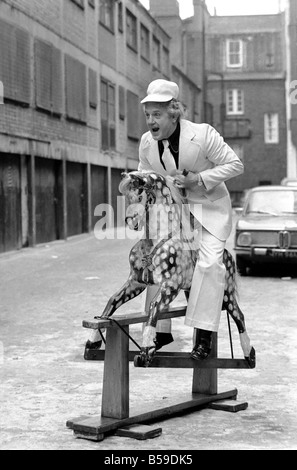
<point x="166" y="257"/>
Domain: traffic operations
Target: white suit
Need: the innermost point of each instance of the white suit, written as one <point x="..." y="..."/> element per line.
<point x="202" y="150"/>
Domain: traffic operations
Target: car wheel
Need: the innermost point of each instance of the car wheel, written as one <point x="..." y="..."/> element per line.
<point x="242" y="266"/>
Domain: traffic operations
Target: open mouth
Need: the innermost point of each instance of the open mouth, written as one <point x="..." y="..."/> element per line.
<point x="155" y="129"/>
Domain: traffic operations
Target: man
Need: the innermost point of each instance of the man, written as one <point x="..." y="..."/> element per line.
<point x="200" y="161"/>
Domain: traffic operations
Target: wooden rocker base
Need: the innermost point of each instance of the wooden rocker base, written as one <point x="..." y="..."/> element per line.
<point x="97" y="427"/>
<point x="179" y="360"/>
<point x="184" y="361"/>
<point x="116" y="416"/>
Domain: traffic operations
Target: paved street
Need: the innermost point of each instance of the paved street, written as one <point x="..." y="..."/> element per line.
<point x="46" y="293"/>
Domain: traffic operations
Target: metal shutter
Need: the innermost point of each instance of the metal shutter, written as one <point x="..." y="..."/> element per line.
<point x="76" y="96"/>
<point x="15" y="62"/>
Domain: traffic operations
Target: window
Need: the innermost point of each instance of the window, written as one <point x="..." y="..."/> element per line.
<point x="107" y="114"/>
<point x="131" y="30"/>
<point x="234" y="53"/>
<point x="106" y="14"/>
<point x="156" y="53"/>
<point x="15" y="63"/>
<point x="271" y="128"/>
<point x="122" y="104"/>
<point x="93" y="89"/>
<point x="166" y="62"/>
<point x="132" y="115"/>
<point x="48" y="77"/>
<point x="235" y="102"/>
<point x="76" y="89"/>
<point x="145" y="42"/>
<point x="120" y="17"/>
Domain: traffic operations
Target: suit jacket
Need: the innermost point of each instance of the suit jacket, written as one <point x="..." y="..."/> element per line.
<point x="201" y="150"/>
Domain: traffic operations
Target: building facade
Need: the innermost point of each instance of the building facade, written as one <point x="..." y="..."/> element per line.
<point x="239" y="62"/>
<point x="72" y="75"/>
<point x="245" y="94"/>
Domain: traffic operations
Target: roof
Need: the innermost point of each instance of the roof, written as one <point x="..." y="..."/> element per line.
<point x="245" y="24"/>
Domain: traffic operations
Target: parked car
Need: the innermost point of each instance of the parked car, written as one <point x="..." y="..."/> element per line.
<point x="266" y="231"/>
<point x="289" y="182"/>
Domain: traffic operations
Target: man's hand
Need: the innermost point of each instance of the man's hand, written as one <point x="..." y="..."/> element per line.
<point x="186" y="180"/>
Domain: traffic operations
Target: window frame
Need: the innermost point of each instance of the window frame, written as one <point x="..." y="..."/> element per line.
<point x="235" y="109"/>
<point x="106" y="14"/>
<point x="120" y="17"/>
<point x="145" y="49"/>
<point x="109" y="123"/>
<point x="229" y="53"/>
<point x="272" y="129"/>
<point x="131" y="31"/>
<point x="156" y="53"/>
<point x="166" y="61"/>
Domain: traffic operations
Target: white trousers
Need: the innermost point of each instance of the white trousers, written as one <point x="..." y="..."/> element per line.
<point x="207" y="290"/>
<point x="208" y="284"/>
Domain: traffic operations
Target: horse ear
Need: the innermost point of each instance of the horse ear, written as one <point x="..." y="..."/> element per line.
<point x="124" y="175"/>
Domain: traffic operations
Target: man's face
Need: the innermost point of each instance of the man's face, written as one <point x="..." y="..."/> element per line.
<point x="159" y="123"/>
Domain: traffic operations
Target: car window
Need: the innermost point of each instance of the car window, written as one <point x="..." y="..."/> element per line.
<point x="272" y="202"/>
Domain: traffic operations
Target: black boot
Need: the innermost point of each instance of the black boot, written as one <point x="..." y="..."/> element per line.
<point x="162" y="339"/>
<point x="203" y="344"/>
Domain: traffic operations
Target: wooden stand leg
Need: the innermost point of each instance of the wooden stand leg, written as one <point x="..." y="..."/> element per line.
<point x="115" y="394"/>
<point x="206" y="380"/>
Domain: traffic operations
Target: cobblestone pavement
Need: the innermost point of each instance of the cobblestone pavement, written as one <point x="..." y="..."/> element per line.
<point x="46" y="292"/>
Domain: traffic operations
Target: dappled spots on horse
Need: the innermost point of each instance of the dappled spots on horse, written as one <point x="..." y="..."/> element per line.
<point x="165" y="255"/>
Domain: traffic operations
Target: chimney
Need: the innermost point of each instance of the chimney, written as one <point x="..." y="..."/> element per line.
<point x="164" y="8"/>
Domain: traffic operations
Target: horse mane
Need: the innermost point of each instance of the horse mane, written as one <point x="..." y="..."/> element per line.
<point x="149" y="180"/>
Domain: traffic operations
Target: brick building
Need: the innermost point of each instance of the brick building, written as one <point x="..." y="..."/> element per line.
<point x="245" y="93"/>
<point x="239" y="63"/>
<point x="73" y="73"/>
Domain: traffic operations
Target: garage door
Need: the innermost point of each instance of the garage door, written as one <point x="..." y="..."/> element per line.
<point x="76" y="199"/>
<point x="47" y="199"/>
<point x="10" y="203"/>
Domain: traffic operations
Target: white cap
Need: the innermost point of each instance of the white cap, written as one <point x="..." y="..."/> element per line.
<point x="160" y="91"/>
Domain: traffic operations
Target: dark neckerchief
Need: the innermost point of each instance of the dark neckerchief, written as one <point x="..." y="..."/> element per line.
<point x="173" y="146"/>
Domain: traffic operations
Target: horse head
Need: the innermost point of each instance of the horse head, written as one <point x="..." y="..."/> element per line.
<point x="142" y="191"/>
